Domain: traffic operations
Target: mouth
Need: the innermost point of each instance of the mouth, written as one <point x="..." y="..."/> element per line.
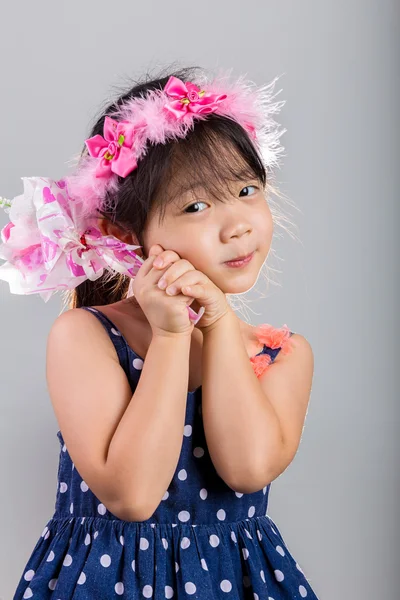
<point x="240" y="260"/>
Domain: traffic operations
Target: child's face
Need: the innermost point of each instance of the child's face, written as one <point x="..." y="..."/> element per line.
<point x="207" y="233"/>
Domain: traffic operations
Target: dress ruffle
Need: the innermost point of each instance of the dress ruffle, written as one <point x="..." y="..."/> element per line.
<point x="80" y="558"/>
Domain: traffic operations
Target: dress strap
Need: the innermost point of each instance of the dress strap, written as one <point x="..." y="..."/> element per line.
<point x="275" y="340"/>
<point x="115" y="336"/>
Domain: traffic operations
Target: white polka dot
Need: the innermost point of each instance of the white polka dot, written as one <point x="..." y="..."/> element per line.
<point x="28" y="593"/>
<point x="280" y="550"/>
<point x="71" y="508"/>
<point x="50" y="556"/>
<point x="119" y="588"/>
<point x="251" y="511"/>
<point x="190" y="588"/>
<point x="204" y="564"/>
<point x="259" y="535"/>
<point x="87" y="539"/>
<point x="303" y="591"/>
<point x="176" y="567"/>
<point x="96" y="533"/>
<point x="299" y="568"/>
<point x="279" y="576"/>
<point x="182" y="475"/>
<point x="225" y="585"/>
<point x="169" y="592"/>
<point x="185" y="543"/>
<point x="262" y="575"/>
<point x="238" y="494"/>
<point x="101" y="509"/>
<point x="256" y="596"/>
<point x="198" y="452"/>
<point x="137" y="364"/>
<point x="233" y="536"/>
<point x="273" y="530"/>
<point x="105" y="560"/>
<point x="248" y="534"/>
<point x="133" y="565"/>
<point x="144" y="543"/>
<point x="64" y="448"/>
<point x="82" y="578"/>
<point x="165" y="543"/>
<point x="203" y="493"/>
<point x="52" y="584"/>
<point x="184" y="516"/>
<point x="29" y="574"/>
<point x="84" y="486"/>
<point x="221" y="514"/>
<point x="214" y="540"/>
<point x="115" y="332"/>
<point x="187" y="430"/>
<point x="165" y="495"/>
<point x="245" y="553"/>
<point x="45" y="530"/>
<point x="67" y="560"/>
<point x="265" y="490"/>
<point x="147" y="591"/>
<point x="63" y="487"/>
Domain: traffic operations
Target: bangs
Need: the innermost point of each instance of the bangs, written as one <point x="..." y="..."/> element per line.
<point x="216" y="154"/>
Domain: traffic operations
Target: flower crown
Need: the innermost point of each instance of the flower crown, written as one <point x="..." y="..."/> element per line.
<point x="170" y="113"/>
<point x="52" y="241"/>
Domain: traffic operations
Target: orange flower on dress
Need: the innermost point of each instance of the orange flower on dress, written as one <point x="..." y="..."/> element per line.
<point x="273" y="338"/>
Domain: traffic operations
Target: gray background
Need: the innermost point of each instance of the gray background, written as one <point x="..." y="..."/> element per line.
<point x="336" y="503"/>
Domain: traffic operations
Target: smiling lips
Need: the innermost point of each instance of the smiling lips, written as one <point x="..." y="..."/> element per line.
<point x="237" y="262"/>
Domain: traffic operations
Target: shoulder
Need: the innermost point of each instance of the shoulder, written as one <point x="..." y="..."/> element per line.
<point x="77" y="327"/>
<point x="300" y="344"/>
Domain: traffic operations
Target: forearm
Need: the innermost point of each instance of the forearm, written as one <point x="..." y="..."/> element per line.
<point x="241" y="426"/>
<point x="146" y="445"/>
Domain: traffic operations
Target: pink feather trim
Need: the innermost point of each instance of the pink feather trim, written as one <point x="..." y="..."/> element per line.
<point x="273" y="338"/>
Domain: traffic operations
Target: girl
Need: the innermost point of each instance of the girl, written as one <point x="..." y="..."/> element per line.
<point x="173" y="421"/>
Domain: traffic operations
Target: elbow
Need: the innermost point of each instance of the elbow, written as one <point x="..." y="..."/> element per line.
<point x="131" y="511"/>
<point x="255" y="479"/>
<point x="249" y="483"/>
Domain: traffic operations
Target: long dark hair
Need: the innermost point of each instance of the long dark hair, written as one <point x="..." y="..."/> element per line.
<point x="216" y="150"/>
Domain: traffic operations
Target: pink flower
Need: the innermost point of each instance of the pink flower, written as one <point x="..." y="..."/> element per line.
<point x="114" y="150"/>
<point x="189" y="98"/>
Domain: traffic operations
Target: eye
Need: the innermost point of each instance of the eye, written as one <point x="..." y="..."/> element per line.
<point x="249" y="186"/>
<point x="190" y="206"/>
<point x="197" y="203"/>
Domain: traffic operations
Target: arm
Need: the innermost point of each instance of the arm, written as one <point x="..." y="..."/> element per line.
<point x="126" y="447"/>
<point x="252" y="426"/>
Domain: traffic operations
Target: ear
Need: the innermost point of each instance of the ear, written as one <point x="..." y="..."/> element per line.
<point x="108" y="228"/>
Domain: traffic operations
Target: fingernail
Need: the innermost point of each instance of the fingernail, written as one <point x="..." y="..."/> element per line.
<point x="158" y="262"/>
<point x="171" y="290"/>
<point x="162" y="284"/>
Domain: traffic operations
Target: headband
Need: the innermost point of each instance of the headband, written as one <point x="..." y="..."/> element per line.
<point x="52" y="242"/>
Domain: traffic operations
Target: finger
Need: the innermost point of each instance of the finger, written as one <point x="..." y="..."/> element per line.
<point x="190" y="278"/>
<point x="166" y="257"/>
<point x="156" y="249"/>
<point x="147" y="265"/>
<point x="174" y="272"/>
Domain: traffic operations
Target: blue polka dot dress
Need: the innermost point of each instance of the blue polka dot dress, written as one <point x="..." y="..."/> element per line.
<point x="204" y="541"/>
